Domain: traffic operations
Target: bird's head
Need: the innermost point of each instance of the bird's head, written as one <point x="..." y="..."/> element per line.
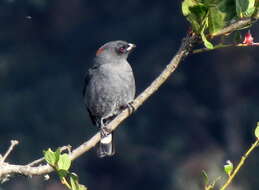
<point x="115" y="49"/>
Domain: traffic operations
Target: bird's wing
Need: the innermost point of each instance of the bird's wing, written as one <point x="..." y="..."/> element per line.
<point x="89" y="75"/>
<point x="86" y="82"/>
<point x="93" y="118"/>
<point x="87" y="78"/>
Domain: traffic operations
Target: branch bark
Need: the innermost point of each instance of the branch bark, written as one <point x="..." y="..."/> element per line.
<point x="185" y="49"/>
<point x="235" y="26"/>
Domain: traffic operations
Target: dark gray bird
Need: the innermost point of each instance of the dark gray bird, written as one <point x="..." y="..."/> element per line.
<point x="109" y="88"/>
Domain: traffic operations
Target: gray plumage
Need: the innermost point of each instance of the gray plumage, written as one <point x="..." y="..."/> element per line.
<point x="109" y="88"/>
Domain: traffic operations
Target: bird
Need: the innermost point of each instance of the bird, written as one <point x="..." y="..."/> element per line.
<point x="109" y="88"/>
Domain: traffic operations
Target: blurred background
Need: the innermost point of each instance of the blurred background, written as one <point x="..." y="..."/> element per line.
<point x="202" y="116"/>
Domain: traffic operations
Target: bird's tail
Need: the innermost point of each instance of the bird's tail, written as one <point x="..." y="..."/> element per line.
<point x="106" y="146"/>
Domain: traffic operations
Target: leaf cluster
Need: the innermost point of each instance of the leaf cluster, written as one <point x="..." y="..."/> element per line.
<point x="207" y="17"/>
<point x="61" y="162"/>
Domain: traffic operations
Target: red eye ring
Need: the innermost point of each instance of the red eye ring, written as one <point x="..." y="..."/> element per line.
<point x="122" y="49"/>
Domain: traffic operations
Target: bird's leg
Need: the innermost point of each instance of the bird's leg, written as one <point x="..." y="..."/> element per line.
<point x="130" y="107"/>
<point x="104" y="130"/>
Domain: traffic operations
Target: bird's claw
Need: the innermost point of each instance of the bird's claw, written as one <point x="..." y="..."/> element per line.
<point x="130" y="107"/>
<point x="105" y="131"/>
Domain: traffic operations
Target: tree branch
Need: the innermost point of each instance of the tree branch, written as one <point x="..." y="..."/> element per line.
<point x="240" y="164"/>
<point x="13" y="144"/>
<point x="185" y="48"/>
<point x="235" y="26"/>
<point x="221" y="46"/>
<point x="29" y="170"/>
<point x="38" y="161"/>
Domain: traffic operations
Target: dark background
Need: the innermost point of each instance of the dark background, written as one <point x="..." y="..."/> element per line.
<point x="202" y="116"/>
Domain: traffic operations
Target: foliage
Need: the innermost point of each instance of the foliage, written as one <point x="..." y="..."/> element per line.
<point x="257" y="130"/>
<point x="207" y="17"/>
<point x="229" y="169"/>
<point x="61" y="163"/>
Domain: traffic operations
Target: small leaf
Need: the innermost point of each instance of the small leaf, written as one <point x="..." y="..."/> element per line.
<point x="195" y="12"/>
<point x="216" y="19"/>
<point x="257" y="130"/>
<point x="207" y="44"/>
<point x="73" y="175"/>
<point x="245" y="8"/>
<point x="57" y="153"/>
<point x="198" y="17"/>
<point x="62" y="173"/>
<point x="74" y="182"/>
<point x="64" y="162"/>
<point x="186" y="4"/>
<point x="50" y="157"/>
<point x="82" y="187"/>
<point x="206" y="178"/>
<point x="228" y="167"/>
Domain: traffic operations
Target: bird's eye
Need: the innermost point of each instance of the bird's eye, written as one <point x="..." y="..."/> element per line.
<point x="122" y="49"/>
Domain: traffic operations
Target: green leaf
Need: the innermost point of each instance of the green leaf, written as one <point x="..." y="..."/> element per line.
<point x="257" y="4"/>
<point x="50" y="157"/>
<point x="64" y="162"/>
<point x="82" y="187"/>
<point x="245" y="8"/>
<point x="74" y="176"/>
<point x="186" y="4"/>
<point x="198" y="17"/>
<point x="57" y="153"/>
<point x="257" y="130"/>
<point x="228" y="167"/>
<point x="219" y="13"/>
<point x="216" y="20"/>
<point x="62" y="173"/>
<point x="74" y="183"/>
<point x="207" y="44"/>
<point x="195" y="12"/>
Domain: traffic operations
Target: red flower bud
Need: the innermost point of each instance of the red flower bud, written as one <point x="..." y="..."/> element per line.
<point x="249" y="40"/>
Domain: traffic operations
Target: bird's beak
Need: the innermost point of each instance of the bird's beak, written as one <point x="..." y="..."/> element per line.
<point x="131" y="46"/>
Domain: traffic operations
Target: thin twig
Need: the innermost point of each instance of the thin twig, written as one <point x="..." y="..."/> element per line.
<point x="38" y="161"/>
<point x="235" y="26"/>
<point x="64" y="182"/>
<point x="220" y="46"/>
<point x="10" y="149"/>
<point x="201" y="50"/>
<point x="240" y="164"/>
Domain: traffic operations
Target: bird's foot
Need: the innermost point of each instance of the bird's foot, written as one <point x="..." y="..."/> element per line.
<point x="105" y="131"/>
<point x="130" y="107"/>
